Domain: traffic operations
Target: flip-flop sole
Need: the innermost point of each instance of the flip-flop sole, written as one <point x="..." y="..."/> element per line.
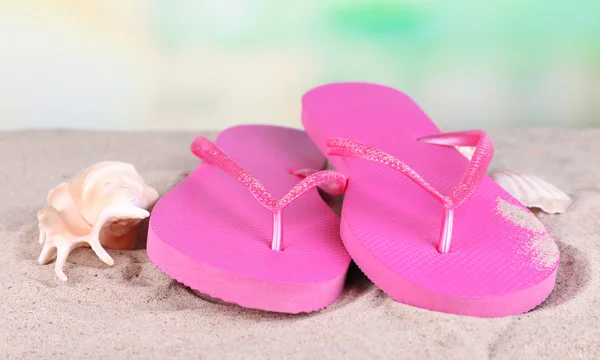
<point x="502" y="260"/>
<point x="211" y="234"/>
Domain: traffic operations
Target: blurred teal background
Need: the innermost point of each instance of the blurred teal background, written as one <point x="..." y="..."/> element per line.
<point x="207" y="65"/>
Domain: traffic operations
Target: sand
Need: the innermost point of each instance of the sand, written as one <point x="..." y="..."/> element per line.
<point x="133" y="311"/>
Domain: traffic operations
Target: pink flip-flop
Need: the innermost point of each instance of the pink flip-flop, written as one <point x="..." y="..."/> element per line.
<point x="223" y="232"/>
<point x="426" y="225"/>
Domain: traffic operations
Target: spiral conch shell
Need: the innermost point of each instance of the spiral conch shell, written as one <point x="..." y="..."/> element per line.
<point x="100" y="206"/>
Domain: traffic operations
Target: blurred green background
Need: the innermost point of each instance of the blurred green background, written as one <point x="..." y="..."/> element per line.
<point x="207" y="65"/>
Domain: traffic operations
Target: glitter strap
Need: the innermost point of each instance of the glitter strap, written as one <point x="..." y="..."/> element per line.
<point x="476" y="170"/>
<point x="334" y="181"/>
<point x="469" y="182"/>
<point x="209" y="152"/>
<point x="329" y="187"/>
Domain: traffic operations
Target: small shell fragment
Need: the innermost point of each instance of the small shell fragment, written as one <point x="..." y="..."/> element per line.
<point x="466" y="151"/>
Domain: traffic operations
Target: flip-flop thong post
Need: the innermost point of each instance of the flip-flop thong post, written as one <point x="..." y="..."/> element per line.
<point x="426" y="225"/>
<point x="223" y="231"/>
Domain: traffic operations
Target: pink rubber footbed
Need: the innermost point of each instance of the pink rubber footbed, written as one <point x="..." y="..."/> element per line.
<point x="211" y="234"/>
<point x="501" y="261"/>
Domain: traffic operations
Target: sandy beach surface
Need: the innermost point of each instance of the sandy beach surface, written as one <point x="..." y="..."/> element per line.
<point x="131" y="310"/>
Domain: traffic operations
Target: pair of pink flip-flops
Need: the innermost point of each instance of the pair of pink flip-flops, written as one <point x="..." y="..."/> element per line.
<point x="424" y="223"/>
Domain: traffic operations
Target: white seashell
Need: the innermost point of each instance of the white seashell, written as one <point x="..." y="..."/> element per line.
<point x="532" y="191"/>
<point x="100" y="206"/>
<point x="467" y="151"/>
